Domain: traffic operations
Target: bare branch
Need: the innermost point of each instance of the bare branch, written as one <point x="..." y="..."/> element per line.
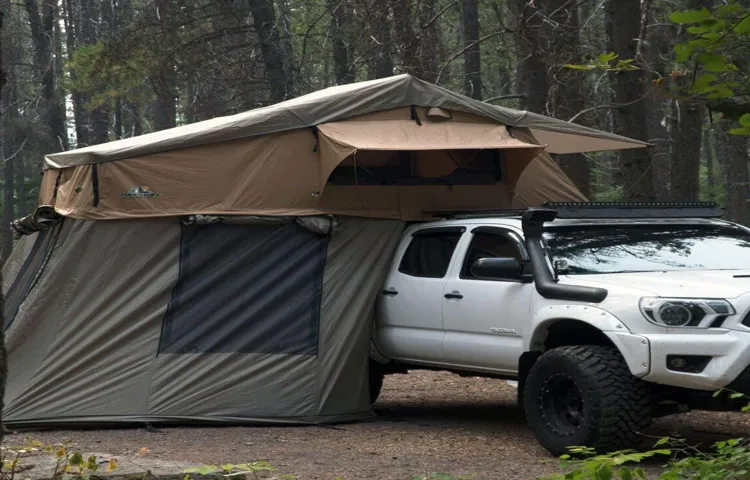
<point x="438" y="15"/>
<point x="609" y="105"/>
<point x="462" y="51"/>
<point x="10" y="157"/>
<point x="504" y="97"/>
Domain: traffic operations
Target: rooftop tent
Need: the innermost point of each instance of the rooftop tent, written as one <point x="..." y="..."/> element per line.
<point x="228" y="270"/>
<point x="274" y="160"/>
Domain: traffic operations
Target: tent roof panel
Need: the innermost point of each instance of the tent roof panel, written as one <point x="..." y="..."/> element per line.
<point x="328" y="105"/>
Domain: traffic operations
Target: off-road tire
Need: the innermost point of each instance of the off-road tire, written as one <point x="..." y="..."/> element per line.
<point x="615" y="406"/>
<point x="376" y="375"/>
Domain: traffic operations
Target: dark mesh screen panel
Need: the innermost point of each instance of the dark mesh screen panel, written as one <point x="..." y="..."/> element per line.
<point x="429" y="255"/>
<point x="29" y="273"/>
<point x="246" y="288"/>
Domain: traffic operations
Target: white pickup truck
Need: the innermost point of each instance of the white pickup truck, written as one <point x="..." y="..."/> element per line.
<point x="608" y="315"/>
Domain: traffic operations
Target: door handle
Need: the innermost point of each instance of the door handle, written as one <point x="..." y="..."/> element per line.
<point x="389" y="292"/>
<point x="454" y="294"/>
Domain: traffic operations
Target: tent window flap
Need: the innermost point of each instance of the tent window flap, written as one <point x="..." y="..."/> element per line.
<point x="246" y="288"/>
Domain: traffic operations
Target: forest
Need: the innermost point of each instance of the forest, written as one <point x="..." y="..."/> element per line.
<point x="673" y="72"/>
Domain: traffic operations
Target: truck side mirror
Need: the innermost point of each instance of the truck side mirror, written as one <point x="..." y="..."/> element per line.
<point x="497" y="268"/>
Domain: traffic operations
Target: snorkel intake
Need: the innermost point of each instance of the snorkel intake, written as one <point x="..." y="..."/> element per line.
<point x="533" y="221"/>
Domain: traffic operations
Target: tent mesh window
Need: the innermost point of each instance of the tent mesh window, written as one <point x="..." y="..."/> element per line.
<point x="30" y="272"/>
<point x="246" y="288"/>
<point x="441" y="167"/>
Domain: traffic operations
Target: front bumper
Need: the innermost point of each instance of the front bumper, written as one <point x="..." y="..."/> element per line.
<point x="729" y="363"/>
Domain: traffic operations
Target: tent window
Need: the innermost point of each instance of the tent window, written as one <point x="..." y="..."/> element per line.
<point x="30" y="272"/>
<point x="429" y="254"/>
<point x="246" y="288"/>
<point x="428" y="167"/>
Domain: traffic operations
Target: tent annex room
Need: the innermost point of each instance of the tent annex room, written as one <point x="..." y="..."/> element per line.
<point x="228" y="270"/>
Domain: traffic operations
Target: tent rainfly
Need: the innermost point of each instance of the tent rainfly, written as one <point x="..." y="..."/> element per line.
<point x="227" y="270"/>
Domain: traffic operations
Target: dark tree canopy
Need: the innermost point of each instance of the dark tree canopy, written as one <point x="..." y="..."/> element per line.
<point x="673" y="72"/>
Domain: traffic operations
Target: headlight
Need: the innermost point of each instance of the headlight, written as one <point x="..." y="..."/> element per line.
<point x="685" y="312"/>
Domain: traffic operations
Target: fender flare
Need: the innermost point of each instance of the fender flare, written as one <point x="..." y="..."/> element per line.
<point x="634" y="348"/>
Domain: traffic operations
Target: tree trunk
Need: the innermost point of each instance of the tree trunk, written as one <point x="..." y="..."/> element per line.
<point x="636" y="174"/>
<point x="7" y="239"/>
<point x="118" y="119"/>
<point x="659" y="135"/>
<point x="686" y="157"/>
<point x="74" y="32"/>
<point x="341" y="22"/>
<point x="406" y="36"/>
<point x="531" y="73"/>
<point x="707" y="152"/>
<point x="137" y="121"/>
<point x="381" y="65"/>
<point x="8" y="95"/>
<point x="430" y="44"/>
<point x="472" y="54"/>
<point x="655" y="52"/>
<point x="164" y="108"/>
<point x="733" y="149"/>
<point x="5" y="251"/>
<point x="21" y="195"/>
<point x="287" y="47"/>
<point x="42" y="27"/>
<point x="264" y="19"/>
<point x="9" y="201"/>
<point x="567" y="93"/>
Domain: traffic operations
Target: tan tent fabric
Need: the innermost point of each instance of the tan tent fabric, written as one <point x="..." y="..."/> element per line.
<point x="280" y="160"/>
<point x="542" y="180"/>
<point x="562" y="143"/>
<point x="340" y="140"/>
<point x="283" y="173"/>
<point x="329" y="105"/>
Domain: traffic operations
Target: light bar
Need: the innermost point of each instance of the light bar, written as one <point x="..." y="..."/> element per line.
<point x="635" y="209"/>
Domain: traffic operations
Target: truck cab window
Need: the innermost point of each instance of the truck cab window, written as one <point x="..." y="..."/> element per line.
<point x="429" y="254"/>
<point x="489" y="245"/>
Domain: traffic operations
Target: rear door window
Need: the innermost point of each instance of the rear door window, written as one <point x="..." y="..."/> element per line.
<point x="430" y="251"/>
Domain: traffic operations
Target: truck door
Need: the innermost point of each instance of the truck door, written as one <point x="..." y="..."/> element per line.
<point x="486" y="320"/>
<point x="410" y="309"/>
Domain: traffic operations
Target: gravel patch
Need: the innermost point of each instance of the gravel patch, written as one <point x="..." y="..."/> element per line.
<point x="427" y="422"/>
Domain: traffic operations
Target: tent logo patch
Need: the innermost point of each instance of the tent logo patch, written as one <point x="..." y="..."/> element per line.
<point x="142" y="191"/>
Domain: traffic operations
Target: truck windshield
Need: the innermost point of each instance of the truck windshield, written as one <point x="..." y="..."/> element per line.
<point x="587" y="249"/>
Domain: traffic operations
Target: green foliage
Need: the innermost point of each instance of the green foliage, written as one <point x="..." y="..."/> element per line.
<point x="711" y="65"/>
<point x="107" y="73"/>
<point x="745" y="128"/>
<point x="442" y="476"/>
<point x="608" y="61"/>
<point x="236" y="470"/>
<point x="584" y="464"/>
<point x="728" y="460"/>
<point x="70" y="464"/>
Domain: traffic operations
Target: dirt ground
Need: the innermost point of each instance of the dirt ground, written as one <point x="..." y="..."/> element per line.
<point x="427" y="422"/>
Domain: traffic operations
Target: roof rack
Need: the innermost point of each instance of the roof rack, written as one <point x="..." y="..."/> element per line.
<point x="465" y="214"/>
<point x="635" y="210"/>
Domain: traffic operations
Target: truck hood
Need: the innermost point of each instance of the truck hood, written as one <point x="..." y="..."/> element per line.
<point x="695" y="284"/>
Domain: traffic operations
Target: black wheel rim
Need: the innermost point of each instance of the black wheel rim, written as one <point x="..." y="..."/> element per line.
<point x="561" y="404"/>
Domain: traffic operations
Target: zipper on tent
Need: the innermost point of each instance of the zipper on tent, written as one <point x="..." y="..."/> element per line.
<point x="57" y="185"/>
<point x="95" y="183"/>
<point x="314" y="129"/>
<point x="415" y="115"/>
